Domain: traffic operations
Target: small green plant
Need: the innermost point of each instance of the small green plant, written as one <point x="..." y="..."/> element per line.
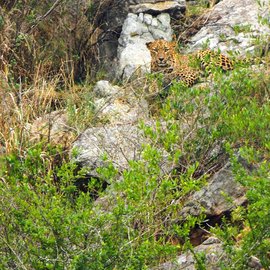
<point x="241" y="28"/>
<point x="223" y="37"/>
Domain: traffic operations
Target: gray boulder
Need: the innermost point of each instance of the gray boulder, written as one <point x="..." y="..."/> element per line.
<point x="221" y="194"/>
<point x="175" y="7"/>
<point x="103" y="88"/>
<point x="117" y="106"/>
<point x="120" y="144"/>
<point x="133" y="56"/>
<point x="134" y="61"/>
<point x="233" y="25"/>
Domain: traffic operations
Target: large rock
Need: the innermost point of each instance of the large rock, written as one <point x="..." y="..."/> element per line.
<point x="175" y="8"/>
<point x="120" y="144"/>
<point x="110" y="18"/>
<point x="233" y="25"/>
<point x="220" y="195"/>
<point x="117" y="106"/>
<point x="120" y="110"/>
<point x="133" y="55"/>
<point x="144" y="28"/>
<point x="134" y="61"/>
<point x="103" y="89"/>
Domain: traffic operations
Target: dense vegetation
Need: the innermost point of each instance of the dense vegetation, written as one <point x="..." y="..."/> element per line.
<point x="47" y="222"/>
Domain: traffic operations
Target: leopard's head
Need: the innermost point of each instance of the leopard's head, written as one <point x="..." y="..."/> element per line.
<point x="163" y="54"/>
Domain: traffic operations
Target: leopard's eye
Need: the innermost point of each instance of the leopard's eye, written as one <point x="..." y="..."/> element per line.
<point x="166" y="49"/>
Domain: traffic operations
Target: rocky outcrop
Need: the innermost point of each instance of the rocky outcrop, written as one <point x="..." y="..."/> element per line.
<point x="220" y="195"/>
<point x="119" y="110"/>
<point x="175" y="8"/>
<point x="119" y="143"/>
<point x="115" y="105"/>
<point x="134" y="57"/>
<point x="111" y="18"/>
<point x="233" y="25"/>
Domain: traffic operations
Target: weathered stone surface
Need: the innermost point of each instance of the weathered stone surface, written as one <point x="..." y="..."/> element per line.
<point x="104" y="89"/>
<point x="212" y="248"/>
<point x="116" y="111"/>
<point x="120" y="139"/>
<point x="120" y="143"/>
<point x="221" y="194"/>
<point x="134" y="60"/>
<point x="175" y="8"/>
<point x="107" y="23"/>
<point x="116" y="106"/>
<point x="133" y="55"/>
<point x="214" y="255"/>
<point x="233" y="25"/>
<point x="144" y="28"/>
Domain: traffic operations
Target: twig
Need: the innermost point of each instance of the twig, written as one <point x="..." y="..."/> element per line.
<point x="14" y="252"/>
<point x="41" y="18"/>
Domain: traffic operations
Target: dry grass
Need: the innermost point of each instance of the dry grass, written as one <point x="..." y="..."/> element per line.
<point x="22" y="105"/>
<point x="38" y="38"/>
<point x="44" y="49"/>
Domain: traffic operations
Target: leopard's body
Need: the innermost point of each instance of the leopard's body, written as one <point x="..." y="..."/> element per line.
<point x="167" y="60"/>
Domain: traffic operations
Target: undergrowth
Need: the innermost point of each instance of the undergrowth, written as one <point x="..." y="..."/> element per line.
<point x="48" y="222"/>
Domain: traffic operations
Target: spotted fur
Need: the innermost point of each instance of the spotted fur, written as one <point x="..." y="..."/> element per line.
<point x="167" y="60"/>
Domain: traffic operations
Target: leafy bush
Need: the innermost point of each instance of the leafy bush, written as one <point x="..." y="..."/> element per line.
<point x="46" y="222"/>
<point x="247" y="234"/>
<point x="207" y="126"/>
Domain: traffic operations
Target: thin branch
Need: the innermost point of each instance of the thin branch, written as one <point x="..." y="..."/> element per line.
<point x="15" y="254"/>
<point x="41" y="18"/>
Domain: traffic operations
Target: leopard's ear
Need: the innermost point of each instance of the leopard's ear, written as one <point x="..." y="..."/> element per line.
<point x="148" y="44"/>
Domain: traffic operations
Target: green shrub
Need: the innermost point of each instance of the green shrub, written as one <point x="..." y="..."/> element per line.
<point x="46" y="222"/>
<point x="254" y="232"/>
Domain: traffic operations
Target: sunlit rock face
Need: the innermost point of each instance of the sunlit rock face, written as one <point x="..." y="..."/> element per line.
<point x="234" y="25"/>
<point x="133" y="56"/>
<point x="175" y="8"/>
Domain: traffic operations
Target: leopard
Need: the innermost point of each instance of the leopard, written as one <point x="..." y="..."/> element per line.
<point x="167" y="60"/>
